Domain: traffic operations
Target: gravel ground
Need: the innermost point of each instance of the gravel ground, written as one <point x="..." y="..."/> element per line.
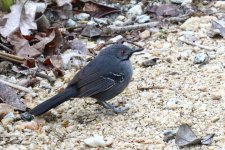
<point x="162" y="97"/>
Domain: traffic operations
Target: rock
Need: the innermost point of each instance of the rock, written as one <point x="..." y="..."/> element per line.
<point x="201" y="58"/>
<point x="82" y="16"/>
<point x="116" y="38"/>
<point x="220" y="4"/>
<point x="121" y="18"/>
<point x="142" y="18"/>
<point x="192" y="24"/>
<point x="95" y="141"/>
<point x="135" y="11"/>
<point x="216" y="95"/>
<point x="71" y="23"/>
<point x="103" y="21"/>
<point x="145" y="34"/>
<point x="183" y="2"/>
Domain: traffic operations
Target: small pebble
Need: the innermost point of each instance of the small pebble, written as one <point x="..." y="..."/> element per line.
<point x="71" y="23"/>
<point x="82" y="16"/>
<point x="121" y="18"/>
<point x="142" y="18"/>
<point x="95" y="141"/>
<point x="201" y="58"/>
<point x="135" y="11"/>
<point x="145" y="34"/>
<point x="116" y="38"/>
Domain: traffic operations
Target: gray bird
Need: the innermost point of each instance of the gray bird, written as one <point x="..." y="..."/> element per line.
<point x="103" y="78"/>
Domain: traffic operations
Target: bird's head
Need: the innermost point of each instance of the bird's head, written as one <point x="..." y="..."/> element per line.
<point x="120" y="51"/>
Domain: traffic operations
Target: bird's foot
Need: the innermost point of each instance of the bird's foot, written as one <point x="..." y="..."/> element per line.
<point x="113" y="108"/>
<point x="26" y="116"/>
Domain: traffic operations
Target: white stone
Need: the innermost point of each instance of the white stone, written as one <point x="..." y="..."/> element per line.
<point x="142" y="18"/>
<point x="200" y="58"/>
<point x="71" y="23"/>
<point x="82" y="16"/>
<point x="116" y="38"/>
<point x="135" y="11"/>
<point x="95" y="141"/>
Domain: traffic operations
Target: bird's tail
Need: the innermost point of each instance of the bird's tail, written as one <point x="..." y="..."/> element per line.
<point x="54" y="101"/>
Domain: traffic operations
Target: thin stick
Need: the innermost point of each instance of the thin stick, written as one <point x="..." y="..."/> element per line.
<point x="11" y="57"/>
<point x="50" y="79"/>
<point x="18" y="87"/>
<point x="5" y="48"/>
<point x="112" y="28"/>
<point x="198" y="45"/>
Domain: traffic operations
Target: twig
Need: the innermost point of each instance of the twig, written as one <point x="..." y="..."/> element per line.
<point x="18" y="87"/>
<point x="5" y="48"/>
<point x="177" y="19"/>
<point x="198" y="45"/>
<point x="50" y="79"/>
<point x="12" y="57"/>
<point x="112" y="28"/>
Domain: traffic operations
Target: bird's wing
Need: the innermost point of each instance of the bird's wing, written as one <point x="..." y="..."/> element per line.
<point x="95" y="84"/>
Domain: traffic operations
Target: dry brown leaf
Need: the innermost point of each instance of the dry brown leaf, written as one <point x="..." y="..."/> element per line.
<point x="52" y="47"/>
<point x="22" y="46"/>
<point x="9" y="96"/>
<point x="22" y="17"/>
<point x="44" y="40"/>
<point x="98" y="10"/>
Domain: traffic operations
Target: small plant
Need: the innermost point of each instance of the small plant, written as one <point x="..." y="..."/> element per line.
<point x="163" y="33"/>
<point x="6" y="4"/>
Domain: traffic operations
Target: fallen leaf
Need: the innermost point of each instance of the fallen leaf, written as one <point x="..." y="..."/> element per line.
<point x="91" y="31"/>
<point x="98" y="10"/>
<point x="79" y="46"/>
<point x="9" y="96"/>
<point x="22" y="16"/>
<point x="22" y="46"/>
<point x="166" y="10"/>
<point x="44" y="40"/>
<point x="207" y="140"/>
<point x="52" y="47"/>
<point x="218" y="28"/>
<point x="186" y="137"/>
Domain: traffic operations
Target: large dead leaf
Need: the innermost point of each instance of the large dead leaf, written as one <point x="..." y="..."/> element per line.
<point x="165" y="10"/>
<point x="9" y="96"/>
<point x="91" y="31"/>
<point x="22" y="17"/>
<point x="95" y="9"/>
<point x="186" y="137"/>
<point x="47" y="44"/>
<point x="218" y="28"/>
<point x="22" y="46"/>
<point x="53" y="46"/>
<point x="44" y="40"/>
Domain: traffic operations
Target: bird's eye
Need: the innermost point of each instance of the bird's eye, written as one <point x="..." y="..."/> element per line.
<point x="122" y="52"/>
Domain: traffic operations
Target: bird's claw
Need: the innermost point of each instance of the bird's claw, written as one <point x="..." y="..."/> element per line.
<point x="113" y="108"/>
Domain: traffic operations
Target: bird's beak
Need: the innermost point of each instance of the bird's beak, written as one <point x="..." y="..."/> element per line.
<point x="138" y="50"/>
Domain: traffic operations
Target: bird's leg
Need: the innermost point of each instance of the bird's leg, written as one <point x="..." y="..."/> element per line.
<point x="109" y="106"/>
